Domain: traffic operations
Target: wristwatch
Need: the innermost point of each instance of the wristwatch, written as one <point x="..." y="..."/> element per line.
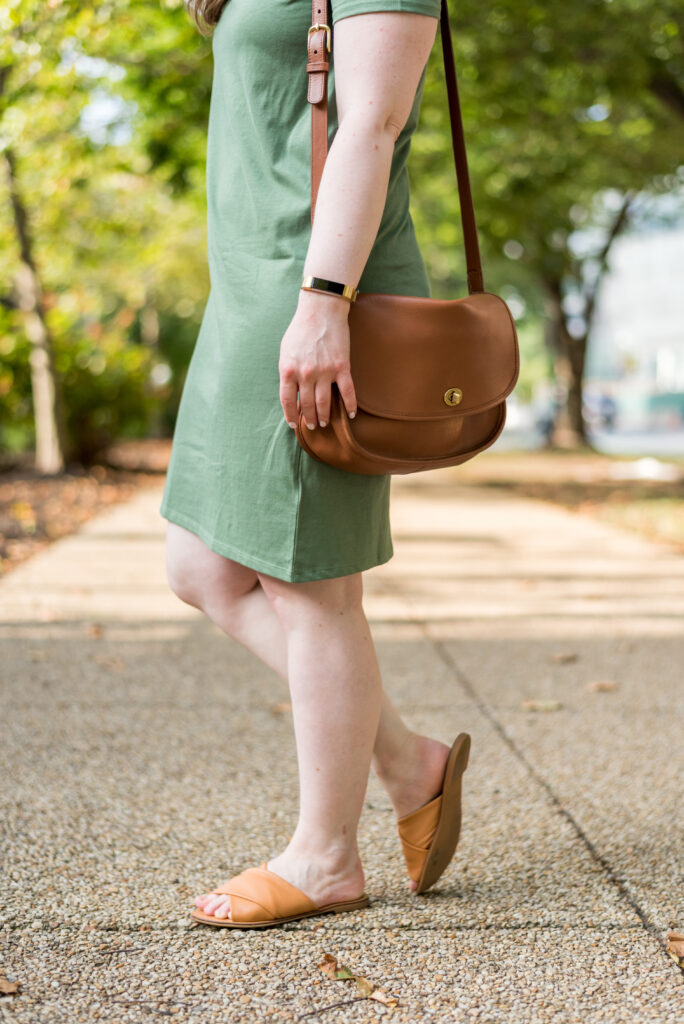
<point x="320" y="284"/>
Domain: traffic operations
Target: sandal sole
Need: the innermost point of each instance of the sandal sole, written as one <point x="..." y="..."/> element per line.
<point x="328" y="908"/>
<point x="448" y="828"/>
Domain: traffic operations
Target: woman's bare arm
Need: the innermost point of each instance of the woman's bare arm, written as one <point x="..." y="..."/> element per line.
<point x="378" y="60"/>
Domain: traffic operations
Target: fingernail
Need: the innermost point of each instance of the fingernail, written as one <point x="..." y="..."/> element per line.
<point x="311" y="426"/>
<point x="293" y="425"/>
<point x="323" y="423"/>
<point x="352" y="415"/>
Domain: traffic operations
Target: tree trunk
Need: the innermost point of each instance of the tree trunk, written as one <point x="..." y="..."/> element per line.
<point x="49" y="456"/>
<point x="569" y="430"/>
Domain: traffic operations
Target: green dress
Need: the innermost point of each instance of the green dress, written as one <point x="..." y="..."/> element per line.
<point x="237" y="476"/>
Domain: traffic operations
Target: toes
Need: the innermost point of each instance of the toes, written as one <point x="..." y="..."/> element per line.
<point x="204" y="899"/>
<point x="212" y="901"/>
<point x="217" y="906"/>
<point x="223" y="911"/>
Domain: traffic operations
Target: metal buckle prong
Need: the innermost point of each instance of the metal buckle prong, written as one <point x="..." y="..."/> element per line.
<point x="316" y="27"/>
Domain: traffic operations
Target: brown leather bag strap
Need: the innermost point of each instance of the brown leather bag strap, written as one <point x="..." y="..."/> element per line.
<point x="318" y="64"/>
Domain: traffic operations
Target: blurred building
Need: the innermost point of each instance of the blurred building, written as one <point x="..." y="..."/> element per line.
<point x="637" y="348"/>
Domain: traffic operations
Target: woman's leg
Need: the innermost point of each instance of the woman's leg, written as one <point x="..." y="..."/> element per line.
<point x="317" y="637"/>
<point x="336" y="694"/>
<point x="228" y="593"/>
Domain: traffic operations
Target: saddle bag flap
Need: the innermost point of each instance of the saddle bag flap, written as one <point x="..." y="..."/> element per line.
<point x="439" y="359"/>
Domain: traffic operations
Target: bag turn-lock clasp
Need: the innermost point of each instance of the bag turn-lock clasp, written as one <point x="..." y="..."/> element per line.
<point x="453" y="396"/>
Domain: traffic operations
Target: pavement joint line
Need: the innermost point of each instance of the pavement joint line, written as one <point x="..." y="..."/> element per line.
<point x="524" y="926"/>
<point x="486" y="711"/>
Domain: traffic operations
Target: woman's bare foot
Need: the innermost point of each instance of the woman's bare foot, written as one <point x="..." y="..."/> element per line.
<point x="415" y="776"/>
<point x="325" y="878"/>
<point x="411" y="780"/>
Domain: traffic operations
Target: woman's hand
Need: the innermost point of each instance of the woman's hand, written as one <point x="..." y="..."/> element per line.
<point x="314" y="352"/>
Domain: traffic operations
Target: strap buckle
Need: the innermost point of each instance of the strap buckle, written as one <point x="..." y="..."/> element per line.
<point x="316" y="27"/>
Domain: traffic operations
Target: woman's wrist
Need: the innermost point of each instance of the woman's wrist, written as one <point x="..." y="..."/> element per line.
<point x="312" y="282"/>
<point x="325" y="304"/>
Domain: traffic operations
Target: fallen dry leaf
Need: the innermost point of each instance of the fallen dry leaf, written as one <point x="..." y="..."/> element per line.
<point x="9" y="988"/>
<point x="675" y="947"/>
<point x="541" y="705"/>
<point x="23" y="512"/>
<point x="602" y="686"/>
<point x="365" y="987"/>
<point x="329" y="967"/>
<point x="337" y="972"/>
<point x="382" y="997"/>
<point x="564" y="658"/>
<point x="108" y="661"/>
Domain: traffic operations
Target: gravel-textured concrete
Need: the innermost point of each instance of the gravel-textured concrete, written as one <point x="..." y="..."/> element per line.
<point x="129" y="718"/>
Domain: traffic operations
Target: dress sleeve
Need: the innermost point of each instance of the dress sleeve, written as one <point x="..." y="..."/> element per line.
<point x="343" y="8"/>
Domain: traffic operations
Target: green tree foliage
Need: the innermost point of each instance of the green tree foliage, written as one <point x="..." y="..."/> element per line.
<point x="565" y="106"/>
<point x="570" y="111"/>
<point x="110" y="178"/>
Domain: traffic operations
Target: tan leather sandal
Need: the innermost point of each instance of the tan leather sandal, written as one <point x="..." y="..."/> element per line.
<point x="259" y="898"/>
<point x="429" y="835"/>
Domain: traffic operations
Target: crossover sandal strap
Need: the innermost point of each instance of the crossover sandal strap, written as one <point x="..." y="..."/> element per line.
<point x="258" y="894"/>
<point x="416" y="831"/>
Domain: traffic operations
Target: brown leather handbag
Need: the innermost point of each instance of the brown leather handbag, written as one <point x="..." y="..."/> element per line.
<point x="431" y="376"/>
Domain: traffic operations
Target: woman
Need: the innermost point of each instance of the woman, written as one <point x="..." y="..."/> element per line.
<point x="267" y="541"/>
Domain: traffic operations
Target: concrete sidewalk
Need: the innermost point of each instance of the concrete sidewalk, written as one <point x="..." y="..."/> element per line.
<point x="129" y="718"/>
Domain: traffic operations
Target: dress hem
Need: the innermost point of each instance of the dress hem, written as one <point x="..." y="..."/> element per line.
<point x="259" y="564"/>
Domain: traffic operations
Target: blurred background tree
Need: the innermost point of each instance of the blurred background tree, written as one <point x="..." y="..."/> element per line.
<point x="572" y="112"/>
<point x="102" y="269"/>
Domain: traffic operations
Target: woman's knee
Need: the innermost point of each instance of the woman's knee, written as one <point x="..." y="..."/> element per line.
<point x="199" y="576"/>
<point x="294" y="602"/>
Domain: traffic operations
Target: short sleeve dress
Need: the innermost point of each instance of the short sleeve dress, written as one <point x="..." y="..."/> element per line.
<point x="237" y="476"/>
